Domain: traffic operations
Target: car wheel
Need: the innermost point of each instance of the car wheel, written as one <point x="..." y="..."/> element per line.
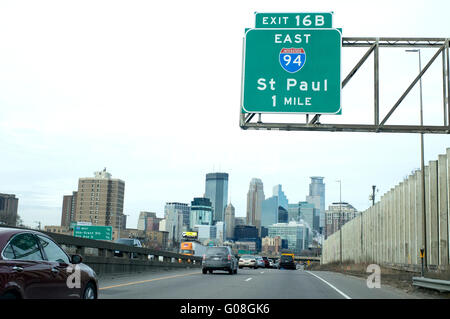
<point x="230" y="271"/>
<point x="235" y="271"/>
<point x="90" y="292"/>
<point x="204" y="271"/>
<point x="210" y="271"/>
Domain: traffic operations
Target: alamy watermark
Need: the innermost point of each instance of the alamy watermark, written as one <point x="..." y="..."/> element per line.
<point x="74" y="279"/>
<point x="374" y="279"/>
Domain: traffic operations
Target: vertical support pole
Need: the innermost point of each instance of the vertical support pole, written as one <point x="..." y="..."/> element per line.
<point x="448" y="77"/>
<point x="376" y="88"/>
<point x="444" y="86"/>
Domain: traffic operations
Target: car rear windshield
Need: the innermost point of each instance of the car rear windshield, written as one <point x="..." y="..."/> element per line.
<point x="248" y="257"/>
<point x="217" y="251"/>
<point x="125" y="241"/>
<point x="286" y="258"/>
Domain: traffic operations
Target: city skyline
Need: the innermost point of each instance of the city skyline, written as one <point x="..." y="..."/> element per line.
<point x="104" y="95"/>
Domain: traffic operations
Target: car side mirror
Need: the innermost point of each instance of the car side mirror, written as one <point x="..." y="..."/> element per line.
<point x="76" y="259"/>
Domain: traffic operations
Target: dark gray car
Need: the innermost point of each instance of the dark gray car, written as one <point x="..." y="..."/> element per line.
<point x="219" y="258"/>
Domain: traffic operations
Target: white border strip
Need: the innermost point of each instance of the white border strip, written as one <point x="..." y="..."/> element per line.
<point x="340" y="292"/>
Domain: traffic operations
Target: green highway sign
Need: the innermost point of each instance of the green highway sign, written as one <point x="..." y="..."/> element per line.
<point x="93" y="232"/>
<point x="245" y="252"/>
<point x="294" y="20"/>
<point x="292" y="71"/>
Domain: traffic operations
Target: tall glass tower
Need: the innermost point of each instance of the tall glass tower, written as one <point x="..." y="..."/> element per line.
<point x="317" y="197"/>
<point x="216" y="189"/>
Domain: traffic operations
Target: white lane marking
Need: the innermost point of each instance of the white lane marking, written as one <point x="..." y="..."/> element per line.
<point x="262" y="272"/>
<point x="248" y="279"/>
<point x="340" y="292"/>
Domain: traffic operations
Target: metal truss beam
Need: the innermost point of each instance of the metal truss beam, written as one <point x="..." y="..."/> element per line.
<point x="374" y="44"/>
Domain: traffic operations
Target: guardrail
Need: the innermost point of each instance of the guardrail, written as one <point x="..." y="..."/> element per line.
<point x="441" y="285"/>
<point x="99" y="255"/>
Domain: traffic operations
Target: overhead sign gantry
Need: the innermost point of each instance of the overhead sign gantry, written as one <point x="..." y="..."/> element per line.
<point x="292" y="64"/>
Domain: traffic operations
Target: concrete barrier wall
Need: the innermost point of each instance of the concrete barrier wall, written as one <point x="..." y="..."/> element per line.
<point x="391" y="231"/>
<point x="99" y="255"/>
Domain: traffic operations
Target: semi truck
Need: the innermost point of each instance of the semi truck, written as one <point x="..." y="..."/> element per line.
<point x="192" y="248"/>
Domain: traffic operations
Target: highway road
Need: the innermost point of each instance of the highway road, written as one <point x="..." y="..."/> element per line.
<point x="247" y="284"/>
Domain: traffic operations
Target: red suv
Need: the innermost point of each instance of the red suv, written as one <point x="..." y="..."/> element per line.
<point x="32" y="265"/>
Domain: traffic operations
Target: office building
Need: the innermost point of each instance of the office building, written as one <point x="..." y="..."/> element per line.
<point x="239" y="221"/>
<point x="282" y="199"/>
<point x="269" y="211"/>
<point x="148" y="221"/>
<point x="255" y="198"/>
<point x="100" y="200"/>
<point x="174" y="216"/>
<point x="216" y="189"/>
<point x="155" y="239"/>
<point x="201" y="212"/>
<point x="317" y="197"/>
<point x="68" y="209"/>
<point x="220" y="232"/>
<point x="8" y="209"/>
<point x="275" y="209"/>
<point x="307" y="212"/>
<point x="283" y="215"/>
<point x="337" y="215"/>
<point x="245" y="231"/>
<point x="271" y="245"/>
<point x="297" y="234"/>
<point x="206" y="233"/>
<point x="183" y="208"/>
<point x="229" y="221"/>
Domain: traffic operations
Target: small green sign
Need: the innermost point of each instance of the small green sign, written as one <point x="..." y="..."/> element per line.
<point x="292" y="71"/>
<point x="93" y="232"/>
<point x="245" y="252"/>
<point x="294" y="20"/>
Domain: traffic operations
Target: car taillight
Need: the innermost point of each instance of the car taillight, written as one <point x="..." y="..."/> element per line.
<point x="229" y="257"/>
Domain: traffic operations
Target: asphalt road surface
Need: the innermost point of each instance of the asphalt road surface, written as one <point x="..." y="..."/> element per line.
<point x="246" y="284"/>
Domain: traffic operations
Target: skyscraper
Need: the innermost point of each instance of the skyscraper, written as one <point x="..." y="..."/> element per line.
<point x="68" y="209"/>
<point x="282" y="199"/>
<point x="317" y="197"/>
<point x="184" y="208"/>
<point x="201" y="212"/>
<point x="100" y="200"/>
<point x="174" y="216"/>
<point x="8" y="209"/>
<point x="216" y="189"/>
<point x="255" y="198"/>
<point x="229" y="221"/>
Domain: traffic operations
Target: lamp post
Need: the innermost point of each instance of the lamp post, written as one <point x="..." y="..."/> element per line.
<point x="340" y="219"/>
<point x="422" y="168"/>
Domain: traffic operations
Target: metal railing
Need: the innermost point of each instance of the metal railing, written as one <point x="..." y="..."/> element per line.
<point x="102" y="257"/>
<point x="436" y="284"/>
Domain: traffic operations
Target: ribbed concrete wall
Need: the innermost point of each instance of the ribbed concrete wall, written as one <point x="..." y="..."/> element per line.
<point x="391" y="231"/>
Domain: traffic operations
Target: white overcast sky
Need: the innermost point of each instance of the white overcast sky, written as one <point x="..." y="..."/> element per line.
<point x="151" y="91"/>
